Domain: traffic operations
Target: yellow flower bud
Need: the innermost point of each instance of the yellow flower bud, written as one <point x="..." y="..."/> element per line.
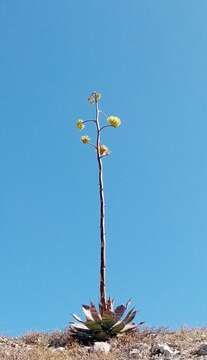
<point x="114" y="121"/>
<point x="80" y="124"/>
<point x="85" y="139"/>
<point x="97" y="97"/>
<point x="103" y="150"/>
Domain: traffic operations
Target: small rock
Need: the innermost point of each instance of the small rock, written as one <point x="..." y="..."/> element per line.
<point x="101" y="346"/>
<point x="29" y="347"/>
<point x="139" y="349"/>
<point x="163" y="349"/>
<point x="14" y="345"/>
<point x="59" y="349"/>
<point x="134" y="352"/>
<point x="202" y="350"/>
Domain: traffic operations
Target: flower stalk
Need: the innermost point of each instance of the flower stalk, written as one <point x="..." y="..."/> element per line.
<point x="101" y="151"/>
<point x="102" y="289"/>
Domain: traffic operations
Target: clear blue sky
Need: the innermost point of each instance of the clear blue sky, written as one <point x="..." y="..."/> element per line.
<point x="148" y="58"/>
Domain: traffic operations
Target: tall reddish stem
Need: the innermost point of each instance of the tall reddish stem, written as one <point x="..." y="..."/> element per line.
<point x="102" y="218"/>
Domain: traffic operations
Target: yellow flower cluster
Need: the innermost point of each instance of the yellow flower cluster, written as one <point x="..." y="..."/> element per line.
<point x="114" y="121"/>
<point x="94" y="97"/>
<point x="85" y="139"/>
<point x="80" y="124"/>
<point x="97" y="96"/>
<point x="103" y="150"/>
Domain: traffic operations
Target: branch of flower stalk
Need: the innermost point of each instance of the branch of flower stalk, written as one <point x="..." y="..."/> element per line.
<point x="103" y="156"/>
<point x="103" y="113"/>
<point x="92" y="145"/>
<point x="105" y="126"/>
<point x="85" y="121"/>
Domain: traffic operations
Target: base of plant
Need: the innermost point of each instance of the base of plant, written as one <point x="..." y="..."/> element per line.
<point x="103" y="324"/>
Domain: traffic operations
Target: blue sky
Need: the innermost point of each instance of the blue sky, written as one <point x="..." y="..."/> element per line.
<point x="148" y="59"/>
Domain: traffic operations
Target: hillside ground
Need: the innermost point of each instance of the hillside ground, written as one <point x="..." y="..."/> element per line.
<point x="145" y="344"/>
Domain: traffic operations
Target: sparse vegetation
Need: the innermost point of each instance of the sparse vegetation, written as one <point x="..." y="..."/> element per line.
<point x="137" y="345"/>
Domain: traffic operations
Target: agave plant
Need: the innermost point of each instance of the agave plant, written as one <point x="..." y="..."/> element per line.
<point x="103" y="324"/>
<point x="107" y="322"/>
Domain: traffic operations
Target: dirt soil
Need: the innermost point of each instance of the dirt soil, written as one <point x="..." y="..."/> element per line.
<point x="145" y="344"/>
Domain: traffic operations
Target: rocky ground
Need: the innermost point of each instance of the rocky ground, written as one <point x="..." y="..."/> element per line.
<point x="145" y="344"/>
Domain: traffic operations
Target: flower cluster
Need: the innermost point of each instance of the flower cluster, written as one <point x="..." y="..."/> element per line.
<point x="85" y="139"/>
<point x="114" y="121"/>
<point x="103" y="150"/>
<point x="80" y="124"/>
<point x="94" y="98"/>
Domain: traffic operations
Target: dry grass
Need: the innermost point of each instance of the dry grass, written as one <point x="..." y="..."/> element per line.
<point x="60" y="346"/>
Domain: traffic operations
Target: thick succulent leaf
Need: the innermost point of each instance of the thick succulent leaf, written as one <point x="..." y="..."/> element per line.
<point x="130" y="316"/>
<point x="107" y="324"/>
<point x="127" y="303"/>
<point x="108" y="314"/>
<point x="77" y="327"/>
<point x="107" y="321"/>
<point x="93" y="325"/>
<point x="112" y="301"/>
<point x="119" y="311"/>
<point x="109" y="304"/>
<point x="128" y="327"/>
<point x="108" y="318"/>
<point x="95" y="314"/>
<point x="87" y="312"/>
<point x="100" y="336"/>
<point x="77" y="318"/>
<point x="100" y="309"/>
<point x="117" y="327"/>
<point x="81" y="335"/>
<point x="117" y="324"/>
